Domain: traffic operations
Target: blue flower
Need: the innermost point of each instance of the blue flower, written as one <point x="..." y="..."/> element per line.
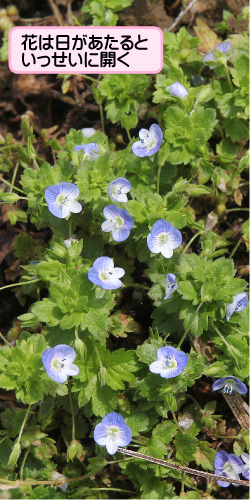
<point x="229" y="384"/>
<point x="112" y="432"/>
<point x="227" y="466"/>
<point x="177" y="90"/>
<point x="171" y="285"/>
<point x="118" y="222"/>
<point x="246" y="471"/>
<point x="170" y="362"/>
<point x="91" y="151"/>
<point x="58" y="362"/>
<point x="88" y="132"/>
<point x="239" y="303"/>
<point x="150" y="141"/>
<point x="104" y="274"/>
<point x="164" y="238"/>
<point x="118" y="189"/>
<point x="61" y="199"/>
<point x="224" y="48"/>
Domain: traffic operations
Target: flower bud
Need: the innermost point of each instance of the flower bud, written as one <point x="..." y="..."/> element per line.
<point x="177" y="90"/>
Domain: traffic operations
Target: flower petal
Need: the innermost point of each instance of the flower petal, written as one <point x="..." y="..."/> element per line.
<point x="113" y="418"/>
<point x="118" y="272"/>
<point x="156" y="367"/>
<point x="220" y="459"/>
<point x="100" y="434"/>
<point x="110" y="211"/>
<point x="104" y="264"/>
<point x="70" y="190"/>
<point x="236" y="463"/>
<point x="166" y="251"/>
<point x="73" y="206"/>
<point x="161" y="226"/>
<point x="139" y="149"/>
<point x="153" y="243"/>
<point x="64" y="351"/>
<point x="120" y="234"/>
<point x="51" y="193"/>
<point x="72" y="369"/>
<point x="111" y="445"/>
<point x="125" y="436"/>
<point x="175" y="238"/>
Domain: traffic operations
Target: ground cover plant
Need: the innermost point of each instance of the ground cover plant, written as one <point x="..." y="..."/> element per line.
<point x="131" y="252"/>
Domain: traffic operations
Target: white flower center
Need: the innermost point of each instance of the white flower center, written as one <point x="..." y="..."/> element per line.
<point x="171" y="362"/>
<point x="113" y="432"/>
<point x="227" y="468"/>
<point x="104" y="275"/>
<point x="229" y="387"/>
<point x="162" y="238"/>
<point x="61" y="198"/>
<point x="149" y="141"/>
<point x="116" y="190"/>
<point x="58" y="363"/>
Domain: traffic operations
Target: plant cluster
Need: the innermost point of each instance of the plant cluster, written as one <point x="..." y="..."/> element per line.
<point x="123" y="224"/>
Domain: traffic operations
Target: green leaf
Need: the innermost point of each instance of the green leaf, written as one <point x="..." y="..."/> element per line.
<point x="205" y="455"/>
<point x="186" y="447"/>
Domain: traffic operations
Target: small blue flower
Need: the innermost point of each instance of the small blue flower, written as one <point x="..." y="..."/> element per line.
<point x="229" y="384"/>
<point x="163" y="238"/>
<point x="88" y="132"/>
<point x="91" y="151"/>
<point x="171" y="285"/>
<point x="224" y="48"/>
<point x="61" y="199"/>
<point x="227" y="466"/>
<point x="239" y="303"/>
<point x="118" y="189"/>
<point x="112" y="432"/>
<point x="118" y="222"/>
<point x="177" y="90"/>
<point x="170" y="362"/>
<point x="150" y="141"/>
<point x="58" y="362"/>
<point x="104" y="274"/>
<point x="246" y="459"/>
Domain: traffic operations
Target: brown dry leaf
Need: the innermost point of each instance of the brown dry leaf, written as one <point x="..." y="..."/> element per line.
<point x="207" y="38"/>
<point x="238" y="197"/>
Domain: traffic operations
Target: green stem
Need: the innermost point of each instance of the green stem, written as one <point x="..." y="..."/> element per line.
<point x="14" y="177"/>
<point x="19" y="284"/>
<point x="229" y="79"/>
<point x="237" y="209"/>
<point x="24" y="422"/>
<point x="222" y="338"/>
<point x="36" y="164"/>
<point x="189" y="325"/>
<point x="195" y="402"/>
<point x="102" y="118"/>
<point x="90" y="78"/>
<point x="9" y="184"/>
<point x="24" y="462"/>
<point x="235" y="248"/>
<point x="6" y="341"/>
<point x="129" y="136"/>
<point x="192" y="239"/>
<point x="72" y="412"/>
<point x="158" y="179"/>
